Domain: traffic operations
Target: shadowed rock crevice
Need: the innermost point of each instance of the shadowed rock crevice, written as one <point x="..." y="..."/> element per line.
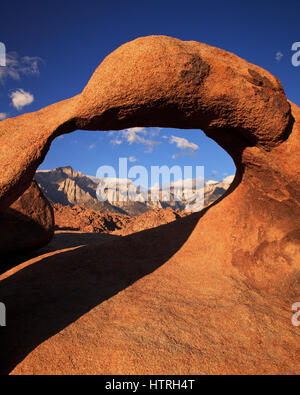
<point x="27" y="224"/>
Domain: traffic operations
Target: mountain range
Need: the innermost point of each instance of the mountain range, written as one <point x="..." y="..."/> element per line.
<point x="66" y="186"/>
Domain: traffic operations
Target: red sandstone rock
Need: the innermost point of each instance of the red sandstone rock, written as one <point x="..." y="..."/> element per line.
<point x="150" y="219"/>
<point x="78" y="218"/>
<point x="87" y="220"/>
<point x="211" y="293"/>
<point x="27" y="224"/>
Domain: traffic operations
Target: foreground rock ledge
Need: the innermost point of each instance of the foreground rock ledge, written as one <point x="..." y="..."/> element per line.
<point x="27" y="224"/>
<point x="211" y="293"/>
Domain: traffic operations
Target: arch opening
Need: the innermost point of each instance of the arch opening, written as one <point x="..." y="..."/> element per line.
<point x="182" y="170"/>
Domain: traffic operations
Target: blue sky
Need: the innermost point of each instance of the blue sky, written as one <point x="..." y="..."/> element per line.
<point x="55" y="46"/>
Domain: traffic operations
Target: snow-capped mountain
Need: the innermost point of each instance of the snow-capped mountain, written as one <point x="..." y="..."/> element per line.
<point x="65" y="186"/>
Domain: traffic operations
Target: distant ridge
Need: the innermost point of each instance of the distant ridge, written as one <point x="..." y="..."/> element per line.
<point x="66" y="186"/>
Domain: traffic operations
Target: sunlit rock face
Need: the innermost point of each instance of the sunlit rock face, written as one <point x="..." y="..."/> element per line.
<point x="211" y="293"/>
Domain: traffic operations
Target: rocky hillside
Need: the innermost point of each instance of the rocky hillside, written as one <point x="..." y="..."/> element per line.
<point x="65" y="186"/>
<point x="80" y="218"/>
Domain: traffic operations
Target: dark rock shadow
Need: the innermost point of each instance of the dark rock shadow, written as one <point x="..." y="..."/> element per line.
<point x="70" y="239"/>
<point x="60" y="241"/>
<point x="51" y="293"/>
<point x="20" y="232"/>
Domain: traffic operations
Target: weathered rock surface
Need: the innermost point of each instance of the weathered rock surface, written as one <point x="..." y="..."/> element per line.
<point x="79" y="218"/>
<point x="27" y="224"/>
<point x="87" y="220"/>
<point x="150" y="219"/>
<point x="210" y="293"/>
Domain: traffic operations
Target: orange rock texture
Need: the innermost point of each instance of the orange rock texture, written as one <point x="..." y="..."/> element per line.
<point x="209" y="293"/>
<point x="150" y="219"/>
<point x="79" y="218"/>
<point x="27" y="224"/>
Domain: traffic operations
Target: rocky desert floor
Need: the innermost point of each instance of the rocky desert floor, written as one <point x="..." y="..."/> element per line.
<point x="105" y="304"/>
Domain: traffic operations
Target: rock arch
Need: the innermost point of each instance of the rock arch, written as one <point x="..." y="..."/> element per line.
<point x="162" y="81"/>
<point x="240" y="263"/>
<point x="154" y="81"/>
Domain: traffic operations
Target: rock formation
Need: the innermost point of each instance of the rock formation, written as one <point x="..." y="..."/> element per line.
<point x="211" y="293"/>
<point x="185" y="85"/>
<point x="27" y="224"/>
<point x="80" y="218"/>
<point x="149" y="220"/>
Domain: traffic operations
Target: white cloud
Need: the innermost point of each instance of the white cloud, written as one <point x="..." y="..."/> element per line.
<point x="116" y="141"/>
<point x="20" y="98"/>
<point x="136" y="135"/>
<point x="150" y="144"/>
<point x="153" y="132"/>
<point x="92" y="146"/>
<point x="137" y="129"/>
<point x="132" y="159"/>
<point x="133" y="135"/>
<point x="2" y="116"/>
<point x="17" y="66"/>
<point x="183" y="143"/>
<point x="279" y="56"/>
